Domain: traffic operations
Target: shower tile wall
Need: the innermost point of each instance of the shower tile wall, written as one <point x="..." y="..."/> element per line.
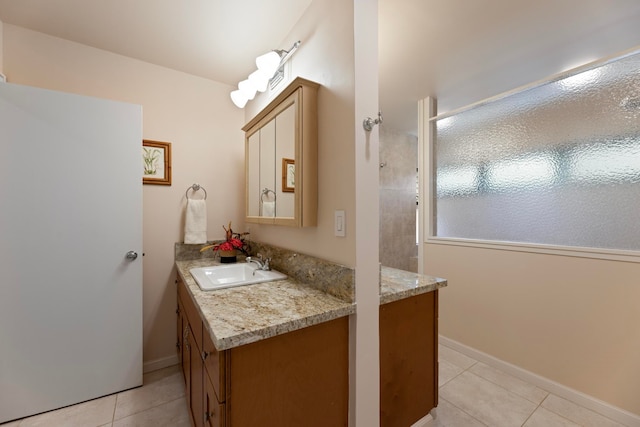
<point x="399" y="152"/>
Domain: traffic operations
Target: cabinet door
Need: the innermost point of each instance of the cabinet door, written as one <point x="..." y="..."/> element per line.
<point x="186" y="365"/>
<point x="408" y="359"/>
<point x="285" y="161"/>
<point x="253" y="175"/>
<point x="179" y="329"/>
<point x="300" y="378"/>
<point x="196" y="389"/>
<point x="215" y="367"/>
<point x="268" y="169"/>
<point x="213" y="410"/>
<point x="192" y="369"/>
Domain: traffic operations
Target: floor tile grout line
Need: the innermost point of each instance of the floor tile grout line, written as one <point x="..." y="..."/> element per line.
<point x="148" y="409"/>
<point x="113" y="415"/>
<point x="538" y="405"/>
<point x="547" y="391"/>
<point x="452" y="378"/>
<point x="560" y="415"/>
<point x="464" y="412"/>
<point x="514" y="392"/>
<point x="504" y="388"/>
<point x="579" y="406"/>
<point x="533" y="412"/>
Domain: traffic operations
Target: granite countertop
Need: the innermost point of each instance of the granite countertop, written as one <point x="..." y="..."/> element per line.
<point x="399" y="284"/>
<point x="245" y="314"/>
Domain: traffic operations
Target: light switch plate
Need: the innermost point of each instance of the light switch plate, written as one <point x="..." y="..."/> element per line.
<point x="339" y="224"/>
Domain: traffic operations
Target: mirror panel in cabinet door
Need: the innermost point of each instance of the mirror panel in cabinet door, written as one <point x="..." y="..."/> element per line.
<point x="253" y="174"/>
<point x="268" y="197"/>
<point x="285" y="162"/>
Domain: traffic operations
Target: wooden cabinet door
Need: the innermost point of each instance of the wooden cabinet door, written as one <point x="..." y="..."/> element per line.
<point x="213" y="410"/>
<point x="187" y="349"/>
<point x="215" y="367"/>
<point x="196" y="389"/>
<point x="192" y="369"/>
<point x="179" y="330"/>
<point x="408" y="359"/>
<point x="300" y="378"/>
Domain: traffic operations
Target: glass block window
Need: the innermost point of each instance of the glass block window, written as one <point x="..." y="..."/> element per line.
<point x="555" y="164"/>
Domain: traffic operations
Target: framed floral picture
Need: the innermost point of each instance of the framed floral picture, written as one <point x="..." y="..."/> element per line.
<point x="156" y="162"/>
<point x="288" y="175"/>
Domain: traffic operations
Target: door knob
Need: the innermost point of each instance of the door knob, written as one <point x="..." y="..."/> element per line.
<point x="131" y="255"/>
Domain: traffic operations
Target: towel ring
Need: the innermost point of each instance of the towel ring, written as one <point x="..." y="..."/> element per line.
<point x="194" y="188"/>
<point x="266" y="192"/>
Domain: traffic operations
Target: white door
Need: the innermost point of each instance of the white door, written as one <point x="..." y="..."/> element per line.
<point x="70" y="300"/>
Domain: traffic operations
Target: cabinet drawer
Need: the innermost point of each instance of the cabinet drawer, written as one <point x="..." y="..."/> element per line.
<point x="215" y="365"/>
<point x="191" y="312"/>
<point x="213" y="410"/>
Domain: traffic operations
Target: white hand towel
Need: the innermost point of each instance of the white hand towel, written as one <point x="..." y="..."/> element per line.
<point x="195" y="227"/>
<point x="269" y="209"/>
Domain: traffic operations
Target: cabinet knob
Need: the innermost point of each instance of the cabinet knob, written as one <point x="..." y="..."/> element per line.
<point x="205" y="355"/>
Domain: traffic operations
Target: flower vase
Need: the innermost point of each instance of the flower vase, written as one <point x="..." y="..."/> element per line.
<point x="227" y="257"/>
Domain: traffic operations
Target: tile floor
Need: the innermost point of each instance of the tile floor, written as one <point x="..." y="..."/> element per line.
<point x="472" y="394"/>
<point x="160" y="402"/>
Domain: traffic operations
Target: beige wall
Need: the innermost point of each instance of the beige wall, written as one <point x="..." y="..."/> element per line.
<point x="192" y="113"/>
<point x="572" y="320"/>
<point x="326" y="57"/>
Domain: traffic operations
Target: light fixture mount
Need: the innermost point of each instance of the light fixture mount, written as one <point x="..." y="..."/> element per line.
<point x="270" y="68"/>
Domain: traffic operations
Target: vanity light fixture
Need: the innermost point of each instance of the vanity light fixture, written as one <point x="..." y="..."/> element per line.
<point x="270" y="72"/>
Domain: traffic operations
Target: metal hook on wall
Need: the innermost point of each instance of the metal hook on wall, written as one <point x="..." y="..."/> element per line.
<point x="369" y="123"/>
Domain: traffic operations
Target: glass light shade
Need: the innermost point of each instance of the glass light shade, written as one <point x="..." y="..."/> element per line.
<point x="247" y="88"/>
<point x="238" y="98"/>
<point x="259" y="80"/>
<point x="268" y="63"/>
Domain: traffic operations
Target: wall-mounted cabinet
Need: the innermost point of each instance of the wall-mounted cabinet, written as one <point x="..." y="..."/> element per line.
<point x="281" y="159"/>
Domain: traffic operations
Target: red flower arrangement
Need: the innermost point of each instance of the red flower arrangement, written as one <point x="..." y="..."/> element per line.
<point x="233" y="241"/>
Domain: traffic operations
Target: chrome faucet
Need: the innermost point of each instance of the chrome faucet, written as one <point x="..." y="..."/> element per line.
<point x="263" y="264"/>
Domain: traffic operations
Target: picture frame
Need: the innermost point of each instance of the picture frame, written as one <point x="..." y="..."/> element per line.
<point x="156" y="162"/>
<point x="288" y="175"/>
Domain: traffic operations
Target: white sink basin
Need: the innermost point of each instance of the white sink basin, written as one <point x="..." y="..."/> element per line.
<point x="230" y="275"/>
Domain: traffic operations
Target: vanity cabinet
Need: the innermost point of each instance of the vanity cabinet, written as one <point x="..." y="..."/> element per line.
<point x="408" y="359"/>
<point x="300" y="378"/>
<point x="281" y="159"/>
<point x="190" y="354"/>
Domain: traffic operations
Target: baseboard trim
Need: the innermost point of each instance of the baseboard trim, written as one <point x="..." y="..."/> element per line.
<point x="613" y="412"/>
<point x="163" y="362"/>
<point x="426" y="421"/>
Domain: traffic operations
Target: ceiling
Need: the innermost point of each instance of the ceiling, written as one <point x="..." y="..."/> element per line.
<point x="460" y="51"/>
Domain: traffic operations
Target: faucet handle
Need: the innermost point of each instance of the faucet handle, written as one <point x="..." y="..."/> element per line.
<point x="259" y="255"/>
<point x="266" y="264"/>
